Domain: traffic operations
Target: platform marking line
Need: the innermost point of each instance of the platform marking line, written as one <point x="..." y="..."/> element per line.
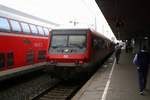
<point x="108" y="82"/>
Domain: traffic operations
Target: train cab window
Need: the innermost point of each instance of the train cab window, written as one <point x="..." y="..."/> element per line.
<point x="59" y="41"/>
<point x="34" y="29"/>
<point x="46" y="31"/>
<point x="2" y="60"/>
<point x="15" y="26"/>
<point x="41" y="32"/>
<point x="101" y="44"/>
<point x="77" y="40"/>
<point x="10" y="59"/>
<point x="25" y="27"/>
<point x="4" y="24"/>
<point x="42" y="55"/>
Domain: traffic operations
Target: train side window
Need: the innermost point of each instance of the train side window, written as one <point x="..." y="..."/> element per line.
<point x="102" y="42"/>
<point x="4" y="25"/>
<point x="10" y="59"/>
<point x="34" y="29"/>
<point x="30" y="57"/>
<point x="42" y="55"/>
<point x="46" y="31"/>
<point x="15" y="26"/>
<point x="2" y="60"/>
<point x="25" y="27"/>
<point x="41" y="32"/>
<point x="95" y="43"/>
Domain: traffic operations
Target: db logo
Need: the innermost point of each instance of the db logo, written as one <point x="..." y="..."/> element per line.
<point x="66" y="56"/>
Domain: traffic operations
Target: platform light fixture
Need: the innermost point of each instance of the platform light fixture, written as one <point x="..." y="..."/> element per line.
<point x="146" y="38"/>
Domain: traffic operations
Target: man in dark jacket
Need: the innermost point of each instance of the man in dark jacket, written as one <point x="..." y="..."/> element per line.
<point x="117" y="52"/>
<point x="142" y="59"/>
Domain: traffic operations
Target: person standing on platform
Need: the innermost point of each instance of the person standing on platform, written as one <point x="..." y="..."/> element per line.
<point x="117" y="52"/>
<point x="142" y="60"/>
<point x="126" y="48"/>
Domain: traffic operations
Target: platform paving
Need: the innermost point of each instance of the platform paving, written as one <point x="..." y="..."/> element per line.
<point x="114" y="82"/>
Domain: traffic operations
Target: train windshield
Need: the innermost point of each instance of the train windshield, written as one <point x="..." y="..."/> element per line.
<point x="66" y="43"/>
<point x="58" y="41"/>
<point x="77" y="41"/>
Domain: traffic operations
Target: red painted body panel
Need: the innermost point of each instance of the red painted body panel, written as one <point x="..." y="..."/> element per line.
<point x="20" y="45"/>
<point x="66" y="58"/>
<point x="89" y="48"/>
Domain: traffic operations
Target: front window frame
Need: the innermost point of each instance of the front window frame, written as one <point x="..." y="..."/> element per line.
<point x="72" y="49"/>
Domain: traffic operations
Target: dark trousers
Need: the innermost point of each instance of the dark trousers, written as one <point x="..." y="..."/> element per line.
<point x="142" y="73"/>
<point x="117" y="57"/>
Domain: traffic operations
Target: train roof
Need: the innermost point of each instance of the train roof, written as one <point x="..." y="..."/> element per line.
<point x="80" y="29"/>
<point x="99" y="34"/>
<point x="21" y="16"/>
<point x="70" y="28"/>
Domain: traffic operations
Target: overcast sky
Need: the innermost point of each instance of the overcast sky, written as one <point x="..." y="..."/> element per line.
<point x="85" y="12"/>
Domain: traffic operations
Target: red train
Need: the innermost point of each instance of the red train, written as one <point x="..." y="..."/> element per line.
<point x="23" y="42"/>
<point x="77" y="50"/>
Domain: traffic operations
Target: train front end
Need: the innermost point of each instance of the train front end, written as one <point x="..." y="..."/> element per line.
<point x="68" y="48"/>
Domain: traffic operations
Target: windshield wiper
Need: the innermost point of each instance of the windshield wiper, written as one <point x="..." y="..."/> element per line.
<point x="76" y="45"/>
<point x="57" y="46"/>
<point x="54" y="47"/>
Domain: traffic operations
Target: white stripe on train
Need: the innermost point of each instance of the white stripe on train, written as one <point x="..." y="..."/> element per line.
<point x="21" y="35"/>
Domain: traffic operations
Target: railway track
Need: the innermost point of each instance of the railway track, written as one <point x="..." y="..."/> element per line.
<point x="27" y="86"/>
<point x="62" y="91"/>
<point x="41" y="86"/>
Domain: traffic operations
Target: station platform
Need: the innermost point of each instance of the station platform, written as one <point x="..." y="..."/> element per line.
<point x="114" y="82"/>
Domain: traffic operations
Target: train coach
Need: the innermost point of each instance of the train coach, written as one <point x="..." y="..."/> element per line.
<point x="23" y="42"/>
<point x="76" y="50"/>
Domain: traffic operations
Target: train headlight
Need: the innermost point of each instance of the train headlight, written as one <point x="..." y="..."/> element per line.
<point x="52" y="61"/>
<point x="81" y="62"/>
<point x="66" y="50"/>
